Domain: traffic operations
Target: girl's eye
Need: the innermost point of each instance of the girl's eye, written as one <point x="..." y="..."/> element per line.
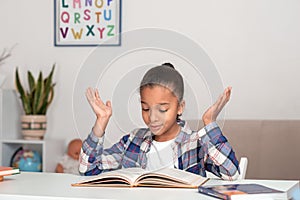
<point x="145" y="109"/>
<point x="163" y="110"/>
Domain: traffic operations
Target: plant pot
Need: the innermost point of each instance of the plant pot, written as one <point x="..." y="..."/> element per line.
<point x="33" y="126"/>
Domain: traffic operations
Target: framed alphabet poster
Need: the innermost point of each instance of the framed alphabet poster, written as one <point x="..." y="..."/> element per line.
<point x="87" y="22"/>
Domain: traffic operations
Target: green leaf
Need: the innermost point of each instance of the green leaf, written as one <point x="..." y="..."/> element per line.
<point x="31" y="81"/>
<point x="19" y="86"/>
<point x="48" y="91"/>
<point x="26" y="104"/>
<point x="24" y="98"/>
<point x="37" y="99"/>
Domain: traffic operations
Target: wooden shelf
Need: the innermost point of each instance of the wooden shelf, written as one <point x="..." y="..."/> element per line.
<point x="21" y="141"/>
<point x="11" y="138"/>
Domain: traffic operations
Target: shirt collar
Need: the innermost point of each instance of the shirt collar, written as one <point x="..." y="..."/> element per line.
<point x="184" y="133"/>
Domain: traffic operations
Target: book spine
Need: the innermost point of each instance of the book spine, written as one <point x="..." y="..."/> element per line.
<point x="213" y="193"/>
<point x="10" y="172"/>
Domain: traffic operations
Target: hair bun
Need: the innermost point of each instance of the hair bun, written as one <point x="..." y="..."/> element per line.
<point x="169" y="65"/>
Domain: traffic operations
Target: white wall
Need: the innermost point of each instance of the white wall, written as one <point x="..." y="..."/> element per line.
<point x="254" y="44"/>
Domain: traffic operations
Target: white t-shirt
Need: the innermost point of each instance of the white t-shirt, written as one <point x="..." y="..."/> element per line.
<point x="160" y="155"/>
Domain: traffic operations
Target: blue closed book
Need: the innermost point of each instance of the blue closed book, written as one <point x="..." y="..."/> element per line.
<point x="241" y="191"/>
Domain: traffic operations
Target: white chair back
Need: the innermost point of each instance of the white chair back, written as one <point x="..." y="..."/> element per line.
<point x="243" y="167"/>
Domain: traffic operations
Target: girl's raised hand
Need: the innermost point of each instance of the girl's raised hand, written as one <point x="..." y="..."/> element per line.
<point x="213" y="111"/>
<point x="103" y="111"/>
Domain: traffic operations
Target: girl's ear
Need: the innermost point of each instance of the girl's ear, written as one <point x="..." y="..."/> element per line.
<point x="181" y="107"/>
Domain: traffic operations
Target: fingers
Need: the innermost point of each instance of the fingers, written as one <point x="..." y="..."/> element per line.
<point x="108" y="104"/>
<point x="227" y="92"/>
<point x="97" y="95"/>
<point x="93" y="95"/>
<point x="223" y="99"/>
<point x="212" y="112"/>
<point x="89" y="94"/>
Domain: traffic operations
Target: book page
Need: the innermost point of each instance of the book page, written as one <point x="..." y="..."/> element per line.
<point x="172" y="177"/>
<point x="117" y="177"/>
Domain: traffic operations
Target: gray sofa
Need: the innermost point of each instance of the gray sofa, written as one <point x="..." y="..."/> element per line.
<point x="271" y="146"/>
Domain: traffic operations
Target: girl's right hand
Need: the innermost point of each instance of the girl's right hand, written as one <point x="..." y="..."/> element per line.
<point x="103" y="111"/>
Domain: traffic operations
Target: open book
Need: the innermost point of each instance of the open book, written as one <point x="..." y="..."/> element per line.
<point x="242" y="191"/>
<point x="134" y="177"/>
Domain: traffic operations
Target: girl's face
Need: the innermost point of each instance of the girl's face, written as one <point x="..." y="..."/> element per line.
<point x="160" y="108"/>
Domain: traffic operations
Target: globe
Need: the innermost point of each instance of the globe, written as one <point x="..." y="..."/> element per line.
<point x="27" y="160"/>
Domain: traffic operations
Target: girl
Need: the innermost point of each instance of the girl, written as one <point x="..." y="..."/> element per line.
<point x="168" y="141"/>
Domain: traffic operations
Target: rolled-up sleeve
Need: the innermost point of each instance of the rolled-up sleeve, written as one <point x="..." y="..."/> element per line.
<point x="221" y="159"/>
<point x="94" y="159"/>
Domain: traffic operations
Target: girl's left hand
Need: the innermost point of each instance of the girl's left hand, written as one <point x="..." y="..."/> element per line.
<point x="213" y="111"/>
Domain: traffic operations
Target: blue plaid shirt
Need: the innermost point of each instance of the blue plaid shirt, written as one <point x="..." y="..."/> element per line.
<point x="195" y="151"/>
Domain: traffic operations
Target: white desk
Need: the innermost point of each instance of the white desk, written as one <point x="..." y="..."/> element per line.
<point x="32" y="185"/>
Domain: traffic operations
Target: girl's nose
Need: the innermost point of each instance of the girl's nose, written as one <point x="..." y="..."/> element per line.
<point x="153" y="115"/>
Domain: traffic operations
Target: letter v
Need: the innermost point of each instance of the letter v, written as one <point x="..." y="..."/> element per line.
<point x="64" y="34"/>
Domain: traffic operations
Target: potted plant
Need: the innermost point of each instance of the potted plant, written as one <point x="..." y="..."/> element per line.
<point x="35" y="102"/>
